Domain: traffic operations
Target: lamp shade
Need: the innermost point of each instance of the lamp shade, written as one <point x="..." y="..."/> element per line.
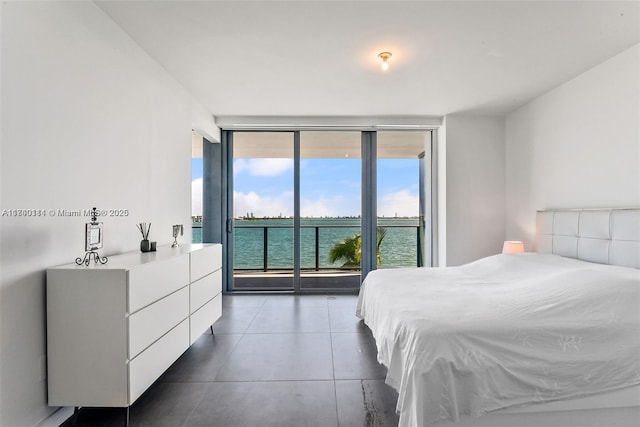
<point x="512" y="247"/>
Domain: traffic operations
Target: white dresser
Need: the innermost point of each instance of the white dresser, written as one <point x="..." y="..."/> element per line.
<point x="113" y="329"/>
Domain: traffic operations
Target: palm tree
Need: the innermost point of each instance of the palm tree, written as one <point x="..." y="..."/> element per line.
<point x="349" y="250"/>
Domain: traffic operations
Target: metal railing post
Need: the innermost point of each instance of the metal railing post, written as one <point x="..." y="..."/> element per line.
<point x="317" y="248"/>
<point x="418" y="247"/>
<point x="265" y="251"/>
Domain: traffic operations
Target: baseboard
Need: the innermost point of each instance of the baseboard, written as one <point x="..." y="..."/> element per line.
<point x="57" y="418"/>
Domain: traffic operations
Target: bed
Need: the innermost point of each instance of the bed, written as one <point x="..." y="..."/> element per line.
<point x="530" y="339"/>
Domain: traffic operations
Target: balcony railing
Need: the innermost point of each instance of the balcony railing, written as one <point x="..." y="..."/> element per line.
<point x="401" y="246"/>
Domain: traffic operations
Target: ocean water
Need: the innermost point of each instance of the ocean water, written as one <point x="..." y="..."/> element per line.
<point x="398" y="249"/>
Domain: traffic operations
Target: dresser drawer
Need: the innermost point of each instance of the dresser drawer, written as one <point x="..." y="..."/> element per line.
<point x="205" y="261"/>
<point x="150" y="323"/>
<point x="205" y="317"/>
<point x="151" y="363"/>
<point x="205" y="289"/>
<point x="153" y="281"/>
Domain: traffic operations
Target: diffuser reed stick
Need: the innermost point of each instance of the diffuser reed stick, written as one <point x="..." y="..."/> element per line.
<point x="144" y="229"/>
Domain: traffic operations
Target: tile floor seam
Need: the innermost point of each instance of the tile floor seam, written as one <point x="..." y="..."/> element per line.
<point x="221" y="366"/>
<point x="333" y="367"/>
<point x="226" y="358"/>
<point x="320" y="380"/>
<point x="188" y="417"/>
<point x="254" y="317"/>
<point x="289" y="333"/>
<point x="349" y="333"/>
<point x="268" y="381"/>
<point x="328" y="378"/>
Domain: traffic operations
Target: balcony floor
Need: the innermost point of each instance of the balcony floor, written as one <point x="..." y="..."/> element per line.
<point x="311" y="280"/>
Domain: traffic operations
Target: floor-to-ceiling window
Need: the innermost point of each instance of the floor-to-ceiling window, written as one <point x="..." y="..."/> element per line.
<point x="196" y="187"/>
<point x="401" y="197"/>
<point x="301" y="207"/>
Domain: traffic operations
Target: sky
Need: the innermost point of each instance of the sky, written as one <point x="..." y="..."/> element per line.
<point x="328" y="187"/>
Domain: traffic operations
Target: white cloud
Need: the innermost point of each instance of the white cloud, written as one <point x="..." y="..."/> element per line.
<point x="319" y="207"/>
<point x="282" y="204"/>
<point x="262" y="167"/>
<point x="262" y="206"/>
<point x="239" y="165"/>
<point x="401" y="203"/>
<point x="196" y="197"/>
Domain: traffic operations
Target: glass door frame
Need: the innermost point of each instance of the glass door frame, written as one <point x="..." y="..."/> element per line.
<point x="227" y="238"/>
<point x="227" y="209"/>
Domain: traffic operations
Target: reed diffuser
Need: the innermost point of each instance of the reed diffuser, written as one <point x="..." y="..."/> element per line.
<point x="145" y="245"/>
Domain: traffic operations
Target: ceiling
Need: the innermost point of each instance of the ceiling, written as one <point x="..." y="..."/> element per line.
<point x="306" y="58"/>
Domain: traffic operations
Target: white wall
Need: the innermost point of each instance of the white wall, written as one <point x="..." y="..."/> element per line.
<point x="88" y="119"/>
<point x="576" y="146"/>
<point x="475" y="187"/>
<point x="203" y="122"/>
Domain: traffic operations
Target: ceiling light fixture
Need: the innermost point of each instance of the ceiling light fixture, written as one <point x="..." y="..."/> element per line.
<point x="385" y="58"/>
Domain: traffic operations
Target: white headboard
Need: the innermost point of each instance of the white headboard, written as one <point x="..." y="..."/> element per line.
<point x="605" y="236"/>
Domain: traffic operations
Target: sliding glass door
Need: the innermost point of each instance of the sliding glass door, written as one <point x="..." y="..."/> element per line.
<point x="302" y="211"/>
<point x="263" y="211"/>
<point x="330" y="188"/>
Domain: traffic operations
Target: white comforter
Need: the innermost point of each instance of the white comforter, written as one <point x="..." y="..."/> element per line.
<point x="502" y="331"/>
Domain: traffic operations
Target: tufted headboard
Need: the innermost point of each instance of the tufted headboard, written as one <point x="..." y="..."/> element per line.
<point x="605" y="236"/>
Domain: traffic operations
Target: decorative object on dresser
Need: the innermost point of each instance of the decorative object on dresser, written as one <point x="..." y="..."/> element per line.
<point x="113" y="329"/>
<point x="177" y="229"/>
<point x="92" y="240"/>
<point x="145" y="244"/>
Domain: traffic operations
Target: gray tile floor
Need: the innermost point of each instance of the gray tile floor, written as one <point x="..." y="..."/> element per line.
<point x="273" y="360"/>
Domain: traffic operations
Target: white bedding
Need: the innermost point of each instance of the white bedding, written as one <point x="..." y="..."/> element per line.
<point x="503" y="331"/>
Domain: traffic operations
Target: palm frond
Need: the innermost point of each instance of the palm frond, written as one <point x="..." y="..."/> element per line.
<point x="349" y="250"/>
<point x="381" y="232"/>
